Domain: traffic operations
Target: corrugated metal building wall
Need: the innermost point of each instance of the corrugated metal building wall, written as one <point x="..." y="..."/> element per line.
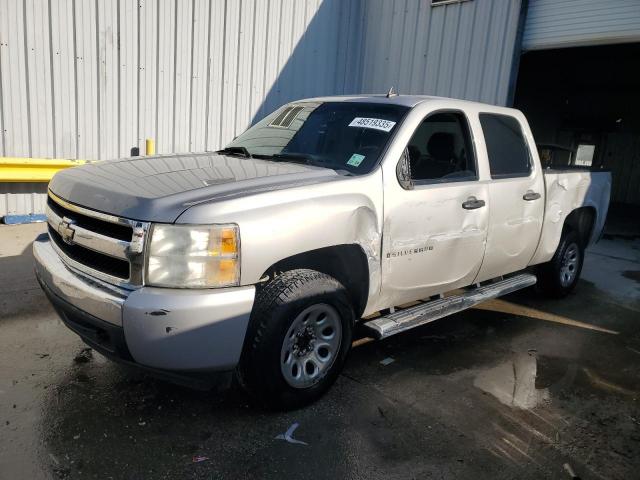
<point x="93" y="78"/>
<point x="461" y="50"/>
<point x="572" y="23"/>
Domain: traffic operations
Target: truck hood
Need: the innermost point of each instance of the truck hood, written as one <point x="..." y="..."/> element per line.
<point x="160" y="188"/>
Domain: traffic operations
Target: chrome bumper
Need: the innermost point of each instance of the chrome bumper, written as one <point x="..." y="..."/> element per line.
<point x="166" y="329"/>
<point x="97" y="298"/>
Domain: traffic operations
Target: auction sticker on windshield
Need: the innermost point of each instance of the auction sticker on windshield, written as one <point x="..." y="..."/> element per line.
<point x="375" y="123"/>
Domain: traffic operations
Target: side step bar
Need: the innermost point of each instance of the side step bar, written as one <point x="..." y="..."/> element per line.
<point x="429" y="311"/>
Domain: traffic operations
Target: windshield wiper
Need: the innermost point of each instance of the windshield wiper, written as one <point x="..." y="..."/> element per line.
<point x="295" y="158"/>
<point x="239" y="151"/>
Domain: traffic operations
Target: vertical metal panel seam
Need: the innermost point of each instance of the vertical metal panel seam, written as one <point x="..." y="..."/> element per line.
<point x="414" y="43"/>
<point x="53" y="102"/>
<point x="157" y="129"/>
<point x="235" y="109"/>
<point x="224" y="46"/>
<point x="348" y="49"/>
<point x="264" y="64"/>
<point x="207" y="83"/>
<point x="175" y="73"/>
<point x="253" y="47"/>
<point x="484" y="54"/>
<point x="456" y="43"/>
<point x="276" y="83"/>
<point x="118" y="74"/>
<point x="75" y="76"/>
<point x="98" y="76"/>
<point x="517" y="51"/>
<point x="138" y="80"/>
<point x="26" y="79"/>
<point x="466" y="77"/>
<point x="447" y="11"/>
<point x="2" y="127"/>
<point x="193" y="49"/>
<point x="502" y="50"/>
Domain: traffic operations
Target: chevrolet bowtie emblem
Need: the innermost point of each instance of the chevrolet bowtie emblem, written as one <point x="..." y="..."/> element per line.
<point x="65" y="230"/>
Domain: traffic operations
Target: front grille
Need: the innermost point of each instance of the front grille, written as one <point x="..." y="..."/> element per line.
<point x="96" y="243"/>
<point x="114" y="230"/>
<point x="92" y="259"/>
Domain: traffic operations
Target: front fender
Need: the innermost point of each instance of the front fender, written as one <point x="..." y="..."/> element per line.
<point x="280" y="224"/>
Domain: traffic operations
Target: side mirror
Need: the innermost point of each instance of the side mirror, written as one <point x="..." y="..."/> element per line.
<point x="403" y="171"/>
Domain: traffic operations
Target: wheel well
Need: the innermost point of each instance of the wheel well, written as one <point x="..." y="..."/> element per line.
<point x="581" y="220"/>
<point x="345" y="263"/>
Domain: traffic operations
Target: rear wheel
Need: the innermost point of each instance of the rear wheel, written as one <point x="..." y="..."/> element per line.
<point x="298" y="339"/>
<point x="558" y="277"/>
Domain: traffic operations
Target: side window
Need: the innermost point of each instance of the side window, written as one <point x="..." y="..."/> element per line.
<point x="441" y="149"/>
<point x="506" y="146"/>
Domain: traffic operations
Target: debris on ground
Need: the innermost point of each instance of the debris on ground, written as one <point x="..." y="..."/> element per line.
<point x="387" y="361"/>
<point x="84" y="356"/>
<point x="199" y="458"/>
<point x="288" y="435"/>
<point x="570" y="471"/>
<point x="42" y="355"/>
<point x="76" y="437"/>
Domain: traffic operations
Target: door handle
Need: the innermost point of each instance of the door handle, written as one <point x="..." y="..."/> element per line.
<point x="531" y="195"/>
<point x="472" y="203"/>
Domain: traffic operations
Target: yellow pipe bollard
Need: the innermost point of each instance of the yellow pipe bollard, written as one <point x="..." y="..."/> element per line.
<point x="150" y="147"/>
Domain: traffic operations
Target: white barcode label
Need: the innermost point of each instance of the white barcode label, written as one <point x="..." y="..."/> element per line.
<point x="375" y="123"/>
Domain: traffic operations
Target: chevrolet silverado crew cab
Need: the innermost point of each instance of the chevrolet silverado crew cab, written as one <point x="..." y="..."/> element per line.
<point x="261" y="258"/>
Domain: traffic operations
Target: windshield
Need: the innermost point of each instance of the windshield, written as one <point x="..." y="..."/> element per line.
<point x="344" y="136"/>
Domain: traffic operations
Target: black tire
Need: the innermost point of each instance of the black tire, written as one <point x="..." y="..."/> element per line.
<point x="553" y="279"/>
<point x="277" y="306"/>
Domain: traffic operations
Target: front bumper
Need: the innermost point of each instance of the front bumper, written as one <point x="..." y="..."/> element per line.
<point x="158" y="328"/>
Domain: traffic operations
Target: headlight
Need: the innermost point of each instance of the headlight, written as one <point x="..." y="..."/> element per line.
<point x="194" y="256"/>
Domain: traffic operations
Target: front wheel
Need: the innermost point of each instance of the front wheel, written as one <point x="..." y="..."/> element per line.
<point x="298" y="339"/>
<point x="558" y="277"/>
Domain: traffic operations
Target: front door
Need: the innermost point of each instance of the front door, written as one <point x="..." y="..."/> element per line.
<point x="435" y="231"/>
<point x="516" y="193"/>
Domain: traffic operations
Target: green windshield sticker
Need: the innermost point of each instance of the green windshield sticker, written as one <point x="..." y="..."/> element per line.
<point x="355" y="160"/>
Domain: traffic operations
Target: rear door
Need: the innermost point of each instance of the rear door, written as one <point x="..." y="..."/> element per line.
<point x="516" y="192"/>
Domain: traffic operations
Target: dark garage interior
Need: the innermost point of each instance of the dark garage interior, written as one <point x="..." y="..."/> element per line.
<point x="586" y="100"/>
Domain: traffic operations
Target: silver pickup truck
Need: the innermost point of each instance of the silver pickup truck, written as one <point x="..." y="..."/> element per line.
<point x="260" y="259"/>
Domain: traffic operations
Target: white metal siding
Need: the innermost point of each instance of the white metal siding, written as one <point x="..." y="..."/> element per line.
<point x="94" y="78"/>
<point x="570" y="23"/>
<point x="462" y="50"/>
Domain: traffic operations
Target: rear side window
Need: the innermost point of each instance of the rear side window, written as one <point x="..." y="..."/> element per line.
<point x="506" y="146"/>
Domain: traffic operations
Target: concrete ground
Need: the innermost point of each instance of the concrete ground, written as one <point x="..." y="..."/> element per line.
<point x="522" y="387"/>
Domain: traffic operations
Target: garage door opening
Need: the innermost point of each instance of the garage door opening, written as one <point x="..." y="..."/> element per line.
<point x="583" y="106"/>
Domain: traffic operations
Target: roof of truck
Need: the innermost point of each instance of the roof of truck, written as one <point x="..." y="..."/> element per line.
<point x="395" y="99"/>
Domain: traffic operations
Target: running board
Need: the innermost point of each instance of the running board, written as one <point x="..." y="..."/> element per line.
<point x="429" y="311"/>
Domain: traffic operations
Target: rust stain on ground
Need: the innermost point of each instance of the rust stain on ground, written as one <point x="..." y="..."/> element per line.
<point x="503" y="306"/>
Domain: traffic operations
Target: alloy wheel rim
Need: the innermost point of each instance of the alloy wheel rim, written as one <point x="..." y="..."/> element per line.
<point x="569" y="266"/>
<point x="311" y="345"/>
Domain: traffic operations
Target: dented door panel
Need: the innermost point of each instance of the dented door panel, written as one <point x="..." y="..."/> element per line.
<point x="431" y="243"/>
